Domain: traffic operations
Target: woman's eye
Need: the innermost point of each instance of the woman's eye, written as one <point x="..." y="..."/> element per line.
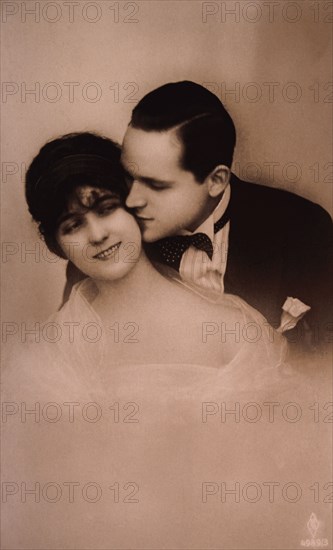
<point x="106" y="208"/>
<point x="71" y="226"/>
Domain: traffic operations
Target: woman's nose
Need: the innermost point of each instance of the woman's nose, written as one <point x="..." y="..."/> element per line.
<point x="97" y="230"/>
<point x="136" y="198"/>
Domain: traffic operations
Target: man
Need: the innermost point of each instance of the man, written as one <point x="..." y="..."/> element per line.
<point x="219" y="233"/>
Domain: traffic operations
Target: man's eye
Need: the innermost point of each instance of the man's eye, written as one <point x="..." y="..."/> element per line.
<point x="129" y="180"/>
<point x="157" y="186"/>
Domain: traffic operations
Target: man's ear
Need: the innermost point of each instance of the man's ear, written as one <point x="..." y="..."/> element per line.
<point x="218" y="180"/>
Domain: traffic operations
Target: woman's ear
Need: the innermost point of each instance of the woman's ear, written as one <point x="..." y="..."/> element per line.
<point x="218" y="180"/>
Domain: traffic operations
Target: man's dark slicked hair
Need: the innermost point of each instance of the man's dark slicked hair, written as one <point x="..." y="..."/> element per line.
<point x="202" y="124"/>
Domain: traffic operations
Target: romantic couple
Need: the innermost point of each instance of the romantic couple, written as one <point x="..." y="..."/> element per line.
<point x="191" y="278"/>
<point x="199" y="223"/>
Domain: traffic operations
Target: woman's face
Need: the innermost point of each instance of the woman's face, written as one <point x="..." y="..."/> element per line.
<point x="98" y="235"/>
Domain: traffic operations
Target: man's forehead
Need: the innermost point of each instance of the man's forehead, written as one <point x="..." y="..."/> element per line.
<point x="145" y="152"/>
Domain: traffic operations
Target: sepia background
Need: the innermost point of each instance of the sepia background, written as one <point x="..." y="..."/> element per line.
<point x="74" y="66"/>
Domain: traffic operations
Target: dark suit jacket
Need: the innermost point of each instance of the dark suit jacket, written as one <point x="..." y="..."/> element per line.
<point x="280" y="245"/>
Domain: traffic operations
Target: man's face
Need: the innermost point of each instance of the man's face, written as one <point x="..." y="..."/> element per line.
<point x="165" y="197"/>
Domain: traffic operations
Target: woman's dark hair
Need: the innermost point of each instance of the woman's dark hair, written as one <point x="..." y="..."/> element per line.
<point x="64" y="164"/>
<point x="202" y="123"/>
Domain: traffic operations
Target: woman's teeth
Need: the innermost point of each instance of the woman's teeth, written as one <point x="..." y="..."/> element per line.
<point x="107" y="252"/>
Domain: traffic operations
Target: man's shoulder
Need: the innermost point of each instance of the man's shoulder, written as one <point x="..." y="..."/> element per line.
<point x="275" y="201"/>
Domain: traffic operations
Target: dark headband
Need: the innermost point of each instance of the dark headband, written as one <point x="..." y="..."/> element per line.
<point x="82" y="164"/>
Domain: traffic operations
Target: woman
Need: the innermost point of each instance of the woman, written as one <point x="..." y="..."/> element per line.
<point x="149" y="399"/>
<point x="76" y="191"/>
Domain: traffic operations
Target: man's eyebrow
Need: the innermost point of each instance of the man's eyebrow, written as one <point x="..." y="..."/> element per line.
<point x="148" y="180"/>
<point x="127" y="173"/>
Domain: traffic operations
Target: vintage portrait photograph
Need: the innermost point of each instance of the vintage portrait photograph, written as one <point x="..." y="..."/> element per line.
<point x="166" y="275"/>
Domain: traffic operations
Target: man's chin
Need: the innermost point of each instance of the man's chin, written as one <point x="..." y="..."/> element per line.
<point x="151" y="237"/>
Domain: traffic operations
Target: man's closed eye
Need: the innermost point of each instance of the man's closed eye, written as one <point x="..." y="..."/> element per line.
<point x="156" y="186"/>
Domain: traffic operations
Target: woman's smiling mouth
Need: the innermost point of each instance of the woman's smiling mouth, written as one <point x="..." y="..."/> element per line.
<point x="108" y="252"/>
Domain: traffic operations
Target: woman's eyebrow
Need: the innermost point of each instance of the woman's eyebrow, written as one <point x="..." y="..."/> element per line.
<point x="67" y="216"/>
<point x="99" y="200"/>
<point x="103" y="198"/>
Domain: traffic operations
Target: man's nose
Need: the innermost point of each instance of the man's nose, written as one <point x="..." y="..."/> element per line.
<point x="97" y="231"/>
<point x="136" y="198"/>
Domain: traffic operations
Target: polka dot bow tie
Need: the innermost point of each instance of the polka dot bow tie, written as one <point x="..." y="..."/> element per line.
<point x="171" y="249"/>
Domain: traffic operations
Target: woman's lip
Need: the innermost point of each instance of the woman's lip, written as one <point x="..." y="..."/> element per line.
<point x="110" y="249"/>
<point x="144" y="219"/>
